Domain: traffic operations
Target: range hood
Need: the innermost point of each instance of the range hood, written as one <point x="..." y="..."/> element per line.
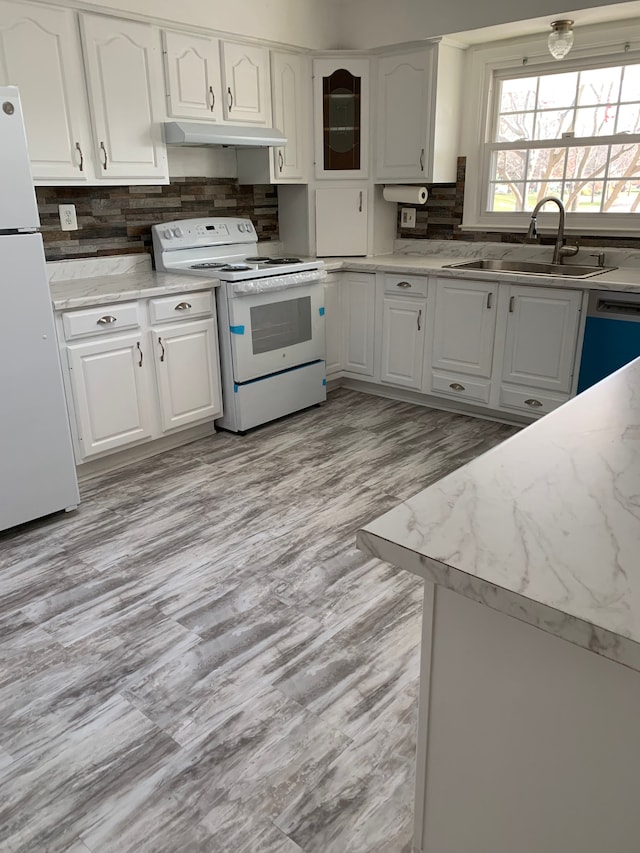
<point x="203" y="133"/>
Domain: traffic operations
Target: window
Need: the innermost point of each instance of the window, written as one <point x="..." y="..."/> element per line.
<point x="572" y="134"/>
<point x="533" y="126"/>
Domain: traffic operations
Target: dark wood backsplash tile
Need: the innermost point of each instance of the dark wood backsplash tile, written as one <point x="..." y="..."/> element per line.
<point x="118" y="220"/>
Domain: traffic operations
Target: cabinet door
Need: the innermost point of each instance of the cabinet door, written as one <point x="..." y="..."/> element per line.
<point x="188" y="372"/>
<point x="333" y="336"/>
<point x="246" y="83"/>
<point x="40" y="53"/>
<point x="541" y="336"/>
<point x="112" y="399"/>
<point x="403" y="323"/>
<point x="403" y="99"/>
<point x="464" y="327"/>
<point x="289" y="75"/>
<point x="358" y="303"/>
<point x="341" y="221"/>
<point x="124" y="71"/>
<point x="341" y="110"/>
<point x="194" y="83"/>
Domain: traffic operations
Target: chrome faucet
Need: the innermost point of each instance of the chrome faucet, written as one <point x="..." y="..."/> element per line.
<point x="560" y="251"/>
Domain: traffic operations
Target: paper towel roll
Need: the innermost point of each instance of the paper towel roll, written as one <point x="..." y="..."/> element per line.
<point x="405" y="193"/>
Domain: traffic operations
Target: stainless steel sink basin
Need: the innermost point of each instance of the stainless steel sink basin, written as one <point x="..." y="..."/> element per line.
<point x="532" y="268"/>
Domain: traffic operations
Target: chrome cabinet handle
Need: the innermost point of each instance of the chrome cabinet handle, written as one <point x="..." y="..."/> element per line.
<point x="419" y="318"/>
<point x="162" y="348"/>
<point x="512" y="303"/>
<point x="422" y="160"/>
<point x="403" y="284"/>
<point x="140" y="351"/>
<point x="182" y="306"/>
<point x="489" y="299"/>
<point x="535" y="404"/>
<point x="280" y="159"/>
<point x="105" y="162"/>
<point x="360" y="203"/>
<point x="230" y="93"/>
<point x="81" y="164"/>
<point x="457" y="386"/>
<point x="106" y="320"/>
<point x="212" y="102"/>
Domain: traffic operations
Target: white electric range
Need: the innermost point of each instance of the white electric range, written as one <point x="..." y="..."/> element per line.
<point x="270" y="317"/>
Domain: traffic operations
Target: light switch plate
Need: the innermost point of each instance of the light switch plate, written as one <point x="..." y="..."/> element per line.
<point x="68" y="220"/>
<point x="408" y="217"/>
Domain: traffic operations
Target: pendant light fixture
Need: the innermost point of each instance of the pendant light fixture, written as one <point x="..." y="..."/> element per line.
<point x="560" y="38"/>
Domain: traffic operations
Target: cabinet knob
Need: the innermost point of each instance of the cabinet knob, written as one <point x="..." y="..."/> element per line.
<point x="457" y="386"/>
<point x="105" y="161"/>
<point x="162" y="348"/>
<point x="81" y="163"/>
<point x="403" y="284"/>
<point x="106" y="320"/>
<point x="422" y="160"/>
<point x="230" y="93"/>
<point x="535" y="404"/>
<point x="182" y="306"/>
<point x="280" y="159"/>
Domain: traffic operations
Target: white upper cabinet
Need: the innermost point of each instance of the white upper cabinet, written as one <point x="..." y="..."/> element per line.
<point x="341" y="221"/>
<point x="40" y="54"/>
<point x="194" y="81"/>
<point x="341" y="117"/>
<point x="291" y="93"/>
<point x="124" y="78"/>
<point x="246" y="81"/>
<point x="418" y="122"/>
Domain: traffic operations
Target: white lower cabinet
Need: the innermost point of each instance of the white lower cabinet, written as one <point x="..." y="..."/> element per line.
<point x="187" y="372"/>
<point x="111" y="392"/>
<point x="359" y="309"/>
<point x="334" y="345"/>
<point x="137" y="371"/>
<point x="403" y="337"/>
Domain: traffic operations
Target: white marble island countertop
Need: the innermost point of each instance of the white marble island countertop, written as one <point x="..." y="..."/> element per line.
<point x="545" y="527"/>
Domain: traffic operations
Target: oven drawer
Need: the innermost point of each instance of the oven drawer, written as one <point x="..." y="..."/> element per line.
<point x="100" y="320"/>
<point x="180" y="306"/>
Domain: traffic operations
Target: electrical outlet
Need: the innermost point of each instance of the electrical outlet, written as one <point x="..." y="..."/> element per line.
<point x="67" y="213"/>
<point x="408" y="217"/>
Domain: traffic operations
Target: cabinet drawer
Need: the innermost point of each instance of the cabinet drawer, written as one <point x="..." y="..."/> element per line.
<point x="531" y="400"/>
<point x="179" y="306"/>
<point x="407" y="285"/>
<point x="101" y="319"/>
<point x="461" y="386"/>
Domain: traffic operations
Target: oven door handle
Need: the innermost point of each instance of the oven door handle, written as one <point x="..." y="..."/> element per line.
<point x="273" y="284"/>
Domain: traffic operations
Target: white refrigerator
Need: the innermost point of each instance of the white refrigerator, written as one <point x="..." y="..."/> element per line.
<point x="37" y="470"/>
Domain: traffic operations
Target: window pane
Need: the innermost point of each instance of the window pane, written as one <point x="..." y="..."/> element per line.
<point x="622" y="196"/>
<point x="505" y="197"/>
<point x="552" y="124"/>
<point x="630" y="83"/>
<point x="509" y="165"/>
<point x="629" y="118"/>
<point x="557" y="91"/>
<point x="599" y="86"/>
<point x="582" y="196"/>
<point x="546" y="163"/>
<point x="625" y="161"/>
<point x="588" y="162"/>
<point x="515" y="126"/>
<point x="596" y="121"/>
<point x="537" y="190"/>
<point x="518" y="95"/>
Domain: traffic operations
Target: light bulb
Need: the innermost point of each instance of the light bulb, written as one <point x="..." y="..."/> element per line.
<point x="560" y="38"/>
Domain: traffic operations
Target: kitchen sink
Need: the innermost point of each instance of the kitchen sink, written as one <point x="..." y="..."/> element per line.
<point x="531" y="268"/>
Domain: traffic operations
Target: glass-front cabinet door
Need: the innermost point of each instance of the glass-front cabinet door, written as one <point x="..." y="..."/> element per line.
<point x="341" y="95"/>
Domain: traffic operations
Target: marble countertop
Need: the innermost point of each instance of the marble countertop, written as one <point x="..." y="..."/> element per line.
<point x="545" y="527"/>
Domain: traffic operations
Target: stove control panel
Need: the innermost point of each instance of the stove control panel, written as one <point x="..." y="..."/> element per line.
<point x="194" y="233"/>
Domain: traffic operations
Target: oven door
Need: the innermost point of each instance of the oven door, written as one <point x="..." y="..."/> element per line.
<point x="275" y="323"/>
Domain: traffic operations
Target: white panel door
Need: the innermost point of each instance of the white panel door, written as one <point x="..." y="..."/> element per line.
<point x="109" y="380"/>
<point x="188" y="372"/>
<point x="403" y="322"/>
<point x="124" y="74"/>
<point x="246" y="83"/>
<point x="358" y="303"/>
<point x="403" y="100"/>
<point x="541" y="336"/>
<point x="40" y="54"/>
<point x="341" y="221"/>
<point x="291" y="92"/>
<point x="194" y="82"/>
<point x="333" y="325"/>
<point x="464" y="326"/>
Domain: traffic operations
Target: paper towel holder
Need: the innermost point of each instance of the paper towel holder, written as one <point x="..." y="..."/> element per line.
<point x="405" y="193"/>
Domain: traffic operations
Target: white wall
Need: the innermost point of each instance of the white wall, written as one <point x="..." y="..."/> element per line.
<point x="371" y="23"/>
<point x="304" y="23"/>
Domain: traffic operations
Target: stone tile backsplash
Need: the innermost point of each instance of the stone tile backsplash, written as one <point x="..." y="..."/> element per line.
<point x="118" y="220"/>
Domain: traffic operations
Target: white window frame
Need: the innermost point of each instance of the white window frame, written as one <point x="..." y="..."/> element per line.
<point x="605" y="45"/>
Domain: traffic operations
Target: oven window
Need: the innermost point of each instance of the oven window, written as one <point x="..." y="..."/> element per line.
<point x="277" y="325"/>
